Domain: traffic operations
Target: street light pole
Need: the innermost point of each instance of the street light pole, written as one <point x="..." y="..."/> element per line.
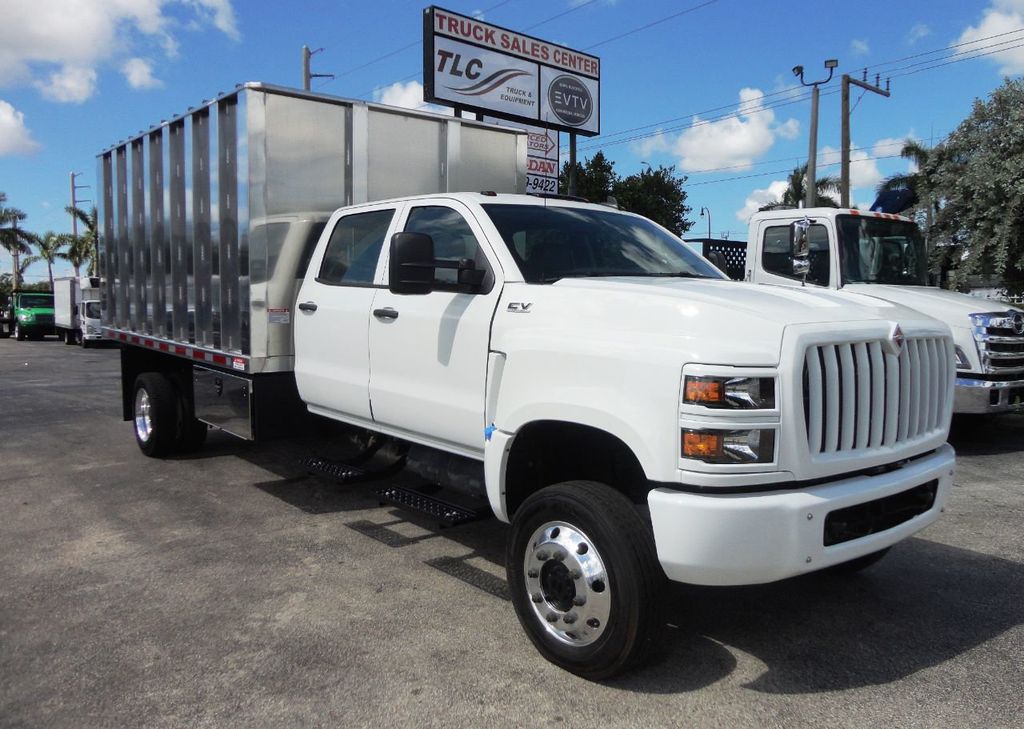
<point x="811" y="192"/>
<point x="706" y="210"/>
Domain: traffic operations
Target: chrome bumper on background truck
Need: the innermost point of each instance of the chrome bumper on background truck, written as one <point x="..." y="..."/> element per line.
<point x="977" y="396"/>
<point x="742" y="539"/>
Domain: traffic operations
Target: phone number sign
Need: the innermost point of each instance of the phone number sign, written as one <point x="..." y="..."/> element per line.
<point x="491" y="70"/>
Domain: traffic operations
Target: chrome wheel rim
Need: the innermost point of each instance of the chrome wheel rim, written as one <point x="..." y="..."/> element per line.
<point x="567" y="583"/>
<point x="143" y="419"/>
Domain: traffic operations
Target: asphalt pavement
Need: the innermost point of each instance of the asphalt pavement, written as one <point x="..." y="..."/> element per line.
<point x="233" y="589"/>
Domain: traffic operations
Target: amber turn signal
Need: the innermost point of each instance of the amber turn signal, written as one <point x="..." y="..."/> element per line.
<point x="701" y="445"/>
<point x="701" y="390"/>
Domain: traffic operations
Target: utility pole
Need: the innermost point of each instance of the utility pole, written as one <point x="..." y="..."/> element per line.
<point x="811" y="193"/>
<point x="75" y="200"/>
<point x="844" y="174"/>
<point x="572" y="163"/>
<point x="306" y="75"/>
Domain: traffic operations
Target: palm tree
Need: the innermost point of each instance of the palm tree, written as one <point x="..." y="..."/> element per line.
<point x="91" y="234"/>
<point x="13" y="239"/>
<point x="78" y="254"/>
<point x="915" y="182"/>
<point x="796" y="191"/>
<point x="49" y="246"/>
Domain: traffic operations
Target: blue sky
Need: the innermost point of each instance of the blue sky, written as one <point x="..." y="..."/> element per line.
<point x="703" y="85"/>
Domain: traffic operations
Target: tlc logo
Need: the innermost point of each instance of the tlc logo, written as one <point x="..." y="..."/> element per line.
<point x="471" y="70"/>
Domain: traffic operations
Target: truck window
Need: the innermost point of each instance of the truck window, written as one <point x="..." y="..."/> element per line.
<point x="453" y="240"/>
<point x="35" y="301"/>
<point x="777" y="257"/>
<point x="354" y="247"/>
<point x="880" y="250"/>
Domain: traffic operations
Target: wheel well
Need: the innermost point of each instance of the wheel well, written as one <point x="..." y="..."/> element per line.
<point x="135" y="361"/>
<point x="549" y="452"/>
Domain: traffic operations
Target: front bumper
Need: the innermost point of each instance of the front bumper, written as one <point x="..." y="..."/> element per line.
<point x="746" y="539"/>
<point x="971" y="396"/>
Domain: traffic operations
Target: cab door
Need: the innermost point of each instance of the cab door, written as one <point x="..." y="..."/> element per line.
<point x="428" y="353"/>
<point x="332" y="366"/>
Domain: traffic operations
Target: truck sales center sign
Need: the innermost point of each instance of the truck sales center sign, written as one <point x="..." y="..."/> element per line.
<point x="490" y="70"/>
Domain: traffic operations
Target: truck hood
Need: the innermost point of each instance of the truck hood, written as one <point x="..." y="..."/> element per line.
<point x="951" y="307"/>
<point x="710" y="321"/>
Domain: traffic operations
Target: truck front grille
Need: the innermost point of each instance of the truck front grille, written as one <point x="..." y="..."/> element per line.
<point x="858" y="395"/>
<point x="1000" y="338"/>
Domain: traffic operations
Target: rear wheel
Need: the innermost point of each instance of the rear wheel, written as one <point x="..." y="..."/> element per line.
<point x="155" y="414"/>
<point x="67" y="335"/>
<point x="585" y="579"/>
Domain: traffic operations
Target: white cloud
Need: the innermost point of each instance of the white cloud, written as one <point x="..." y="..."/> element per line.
<point x="58" y="46"/>
<point x="15" y="137"/>
<point x="919" y="31"/>
<point x="138" y="72"/>
<point x="1002" y="16"/>
<point x="69" y="85"/>
<point x="220" y="13"/>
<point x="735" y="141"/>
<point x="761" y="197"/>
<point x="408" y="96"/>
<point x="864" y="172"/>
<point x="859" y="47"/>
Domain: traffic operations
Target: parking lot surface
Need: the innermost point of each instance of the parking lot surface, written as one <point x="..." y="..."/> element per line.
<point x="233" y="589"/>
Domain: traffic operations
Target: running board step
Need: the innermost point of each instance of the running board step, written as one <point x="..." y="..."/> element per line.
<point x="447" y="512"/>
<point x="341" y="472"/>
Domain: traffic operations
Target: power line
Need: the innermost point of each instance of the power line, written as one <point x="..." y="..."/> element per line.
<point x="783" y="172"/>
<point x="651" y="24"/>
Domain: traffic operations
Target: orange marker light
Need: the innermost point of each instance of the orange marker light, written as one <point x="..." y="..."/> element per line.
<point x="701" y="445"/>
<point x="703" y="390"/>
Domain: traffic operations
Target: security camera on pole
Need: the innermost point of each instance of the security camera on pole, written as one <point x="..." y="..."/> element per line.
<point x="811" y="194"/>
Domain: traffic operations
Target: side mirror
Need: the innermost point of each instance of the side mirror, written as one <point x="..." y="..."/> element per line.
<point x="471" y="278"/>
<point x="799" y="245"/>
<point x="411" y="265"/>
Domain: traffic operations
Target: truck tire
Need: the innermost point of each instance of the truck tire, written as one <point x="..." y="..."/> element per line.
<point x="156" y="415"/>
<point x="585" y="580"/>
<point x="19" y="333"/>
<point x="68" y="336"/>
<point x="856" y="565"/>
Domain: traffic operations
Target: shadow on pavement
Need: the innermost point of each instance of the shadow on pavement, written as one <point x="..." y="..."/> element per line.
<point x="985" y="435"/>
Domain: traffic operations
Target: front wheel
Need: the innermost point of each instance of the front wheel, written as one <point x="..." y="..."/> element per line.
<point x="19" y="333"/>
<point x="585" y="580"/>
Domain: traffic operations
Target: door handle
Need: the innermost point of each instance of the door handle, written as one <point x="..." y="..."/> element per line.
<point x="387" y="313"/>
<point x="307" y="306"/>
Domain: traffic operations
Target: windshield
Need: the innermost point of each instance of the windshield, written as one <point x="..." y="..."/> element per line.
<point x="551" y="243"/>
<point x="92" y="310"/>
<point x="38" y="301"/>
<point x="877" y="250"/>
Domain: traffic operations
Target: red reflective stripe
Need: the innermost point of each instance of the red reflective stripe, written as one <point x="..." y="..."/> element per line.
<point x="163" y="346"/>
<point x="135" y="340"/>
<point x="220" y="359"/>
<point x="181" y="350"/>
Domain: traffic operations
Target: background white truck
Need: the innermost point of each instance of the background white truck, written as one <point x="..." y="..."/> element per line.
<point x="884" y="256"/>
<point x="569" y="368"/>
<point x="76" y="310"/>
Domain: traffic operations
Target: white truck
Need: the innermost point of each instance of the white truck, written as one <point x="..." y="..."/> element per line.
<point x="629" y="410"/>
<point x="76" y="310"/>
<point x="883" y="256"/>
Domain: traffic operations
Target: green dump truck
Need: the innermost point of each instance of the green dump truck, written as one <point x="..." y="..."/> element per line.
<point x="29" y="315"/>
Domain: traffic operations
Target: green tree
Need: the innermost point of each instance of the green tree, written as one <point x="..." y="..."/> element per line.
<point x="13" y="239"/>
<point x="976" y="177"/>
<point x="78" y="254"/>
<point x="90" y="236"/>
<point x="656" y="194"/>
<point x="796" y="191"/>
<point x="595" y="178"/>
<point x="49" y="246"/>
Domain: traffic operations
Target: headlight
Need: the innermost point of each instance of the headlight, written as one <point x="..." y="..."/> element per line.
<point x="25" y="317"/>
<point x="729" y="446"/>
<point x="747" y="393"/>
<point x="962" y="363"/>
